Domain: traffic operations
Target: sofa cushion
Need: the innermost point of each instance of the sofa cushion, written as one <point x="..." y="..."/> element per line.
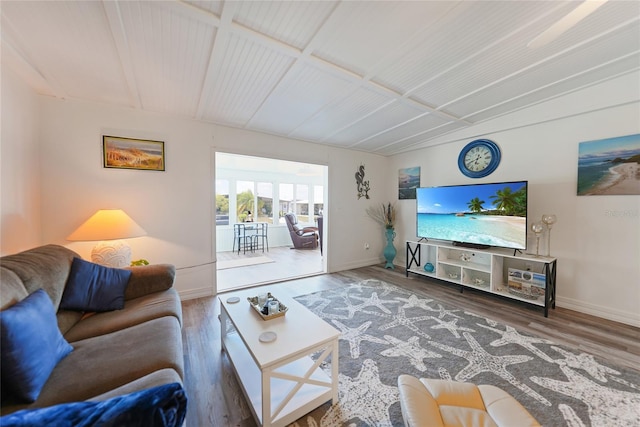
<point x="162" y="406"/>
<point x="31" y="345"/>
<point x="45" y="267"/>
<point x="154" y="379"/>
<point x="93" y="287"/>
<point x="100" y="364"/>
<point x="135" y="311"/>
<point x="66" y="320"/>
<point x="148" y="279"/>
<point x="12" y="289"/>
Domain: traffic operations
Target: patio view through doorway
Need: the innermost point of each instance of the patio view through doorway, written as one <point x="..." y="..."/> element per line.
<point x="253" y="244"/>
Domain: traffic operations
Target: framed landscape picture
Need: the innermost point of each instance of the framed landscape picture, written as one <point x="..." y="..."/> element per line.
<point x="408" y="181"/>
<point x="130" y="153"/>
<point x="609" y="166"/>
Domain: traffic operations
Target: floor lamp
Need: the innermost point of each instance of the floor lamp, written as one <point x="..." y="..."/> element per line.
<point x="109" y="226"/>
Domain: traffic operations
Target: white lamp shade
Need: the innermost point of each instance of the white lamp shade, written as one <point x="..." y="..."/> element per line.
<point x="107" y="224"/>
<point x="110" y="225"/>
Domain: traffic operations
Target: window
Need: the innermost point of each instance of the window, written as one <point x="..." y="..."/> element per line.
<point x="302" y="202"/>
<point x="267" y="188"/>
<point x="286" y="199"/>
<point x="222" y="202"/>
<point x="264" y="212"/>
<point x="245" y="200"/>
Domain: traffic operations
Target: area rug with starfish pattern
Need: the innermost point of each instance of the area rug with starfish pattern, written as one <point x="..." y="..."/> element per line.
<point x="387" y="330"/>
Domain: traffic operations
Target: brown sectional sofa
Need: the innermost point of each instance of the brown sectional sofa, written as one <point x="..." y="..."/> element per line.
<point x="115" y="352"/>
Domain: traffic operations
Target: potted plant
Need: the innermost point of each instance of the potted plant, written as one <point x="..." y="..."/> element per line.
<point x="384" y="214"/>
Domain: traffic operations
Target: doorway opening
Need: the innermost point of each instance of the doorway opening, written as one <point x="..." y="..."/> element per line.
<point x="253" y="196"/>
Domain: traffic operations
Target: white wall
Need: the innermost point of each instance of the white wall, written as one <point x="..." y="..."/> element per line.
<point x="52" y="170"/>
<point x="175" y="207"/>
<point x="19" y="166"/>
<point x="597" y="238"/>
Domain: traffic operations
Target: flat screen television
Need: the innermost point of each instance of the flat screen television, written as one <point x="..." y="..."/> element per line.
<point x="475" y="215"/>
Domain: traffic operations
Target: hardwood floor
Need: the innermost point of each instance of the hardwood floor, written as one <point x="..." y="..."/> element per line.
<point x="215" y="398"/>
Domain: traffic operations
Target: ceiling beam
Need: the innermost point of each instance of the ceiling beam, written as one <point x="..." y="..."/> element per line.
<point x="433" y="129"/>
<point x="483" y="51"/>
<point x="191" y="11"/>
<point x="304" y="56"/>
<point x="11" y="39"/>
<point x="121" y="41"/>
<point x="633" y="55"/>
<point x="543" y="61"/>
<point x="216" y="56"/>
<point x="22" y="67"/>
<point x="437" y="110"/>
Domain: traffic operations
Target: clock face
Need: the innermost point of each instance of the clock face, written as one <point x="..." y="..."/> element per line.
<point x="479" y="158"/>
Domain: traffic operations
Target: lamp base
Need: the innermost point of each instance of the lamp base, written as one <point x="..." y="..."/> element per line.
<point x="112" y="253"/>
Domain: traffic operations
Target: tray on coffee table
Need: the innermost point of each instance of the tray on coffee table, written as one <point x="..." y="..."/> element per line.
<point x="282" y="309"/>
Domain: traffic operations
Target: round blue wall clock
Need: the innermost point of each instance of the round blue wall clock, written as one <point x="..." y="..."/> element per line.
<point x="479" y="158"/>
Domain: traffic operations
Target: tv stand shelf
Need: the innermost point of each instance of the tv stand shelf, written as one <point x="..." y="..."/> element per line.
<point x="524" y="277"/>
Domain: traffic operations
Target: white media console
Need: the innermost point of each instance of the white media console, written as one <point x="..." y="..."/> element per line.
<point x="521" y="277"/>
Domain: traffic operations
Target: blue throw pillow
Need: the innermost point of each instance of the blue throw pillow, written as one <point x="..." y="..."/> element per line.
<point x="32" y="345"/>
<point x="93" y="287"/>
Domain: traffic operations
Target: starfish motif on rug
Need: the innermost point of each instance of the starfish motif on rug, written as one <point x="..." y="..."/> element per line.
<point x="411" y="349"/>
<point x="374" y="301"/>
<point x="570" y="416"/>
<point x="401" y="319"/>
<point x="339" y="296"/>
<point x="355" y="336"/>
<point x="364" y="397"/>
<point x="414" y="301"/>
<point x="586" y="362"/>
<point x="481" y="361"/>
<point x="492" y="354"/>
<point x="350" y="308"/>
<point x="314" y="301"/>
<point x="442" y="312"/>
<point x="511" y="336"/>
<point x="607" y="406"/>
<point x="490" y="322"/>
<point x="386" y="288"/>
<point x="451" y="326"/>
<point x="444" y="374"/>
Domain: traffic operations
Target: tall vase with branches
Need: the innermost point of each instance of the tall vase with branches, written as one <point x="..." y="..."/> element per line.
<point x="385" y="214"/>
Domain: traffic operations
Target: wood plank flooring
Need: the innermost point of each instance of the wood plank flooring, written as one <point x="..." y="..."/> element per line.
<point x="215" y="398"/>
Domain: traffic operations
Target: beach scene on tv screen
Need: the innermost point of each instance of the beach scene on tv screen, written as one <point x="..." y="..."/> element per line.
<point x="486" y="214"/>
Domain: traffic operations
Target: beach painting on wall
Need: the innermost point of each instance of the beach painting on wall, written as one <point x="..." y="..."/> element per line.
<point x="609" y="166"/>
<point x="408" y="181"/>
<point x="130" y="153"/>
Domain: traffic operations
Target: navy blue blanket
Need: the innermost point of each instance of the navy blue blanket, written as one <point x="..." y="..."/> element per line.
<point x="162" y="406"/>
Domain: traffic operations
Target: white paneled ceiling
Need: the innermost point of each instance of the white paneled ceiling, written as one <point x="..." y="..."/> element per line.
<point x="377" y="76"/>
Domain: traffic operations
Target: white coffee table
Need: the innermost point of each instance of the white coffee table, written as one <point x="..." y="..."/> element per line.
<point x="279" y="379"/>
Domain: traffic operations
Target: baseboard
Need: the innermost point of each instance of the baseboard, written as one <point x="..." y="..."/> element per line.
<point x="355" y="264"/>
<point x="627" y="318"/>
<point x="195" y="293"/>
